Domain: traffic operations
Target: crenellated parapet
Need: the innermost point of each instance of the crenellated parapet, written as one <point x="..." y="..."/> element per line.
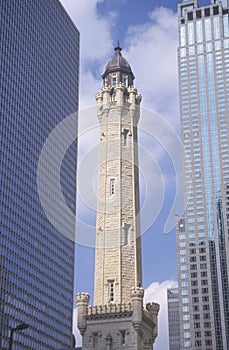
<point x="118" y="94"/>
<point x="99" y="97"/>
<point x="82" y="297"/>
<point x="109" y="311"/>
<point x="110" y="308"/>
<point x="143" y="320"/>
<point x="153" y="309"/>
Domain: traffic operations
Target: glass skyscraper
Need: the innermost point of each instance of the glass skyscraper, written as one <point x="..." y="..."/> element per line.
<point x="39" y="59"/>
<point x="173" y="319"/>
<point x="203" y="232"/>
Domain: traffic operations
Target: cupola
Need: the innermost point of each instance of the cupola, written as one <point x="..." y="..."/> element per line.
<point x="118" y="70"/>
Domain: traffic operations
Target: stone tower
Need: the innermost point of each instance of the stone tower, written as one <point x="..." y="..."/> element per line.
<point x="118" y="320"/>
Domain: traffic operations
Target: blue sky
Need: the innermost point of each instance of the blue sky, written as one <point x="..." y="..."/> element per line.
<point x="132" y="12"/>
<point x="147" y="30"/>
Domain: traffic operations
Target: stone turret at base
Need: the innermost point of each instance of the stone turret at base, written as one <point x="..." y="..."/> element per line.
<point x="118" y="326"/>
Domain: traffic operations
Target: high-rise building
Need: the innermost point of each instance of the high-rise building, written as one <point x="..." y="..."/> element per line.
<point x="39" y="55"/>
<point x="203" y="232"/>
<point x="173" y="318"/>
<point x="118" y="319"/>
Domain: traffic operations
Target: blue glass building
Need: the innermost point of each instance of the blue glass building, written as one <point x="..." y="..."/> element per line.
<point x="173" y="318"/>
<point x="203" y="232"/>
<point x="39" y="55"/>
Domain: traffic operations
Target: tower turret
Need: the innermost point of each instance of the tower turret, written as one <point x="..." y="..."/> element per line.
<point x="118" y="70"/>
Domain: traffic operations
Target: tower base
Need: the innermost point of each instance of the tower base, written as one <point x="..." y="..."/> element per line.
<point x="118" y="326"/>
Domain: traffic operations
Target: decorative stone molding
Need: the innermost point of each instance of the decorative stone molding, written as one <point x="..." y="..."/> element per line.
<point x="109" y="311"/>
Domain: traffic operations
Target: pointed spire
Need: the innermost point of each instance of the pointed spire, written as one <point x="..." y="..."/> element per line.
<point x="118" y="65"/>
<point x="118" y="48"/>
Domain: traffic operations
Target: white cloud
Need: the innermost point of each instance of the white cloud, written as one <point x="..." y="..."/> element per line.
<point x="152" y="49"/>
<point x="95" y="31"/>
<point x="76" y="331"/>
<point x="95" y="45"/>
<point x="89" y="86"/>
<point x="157" y="292"/>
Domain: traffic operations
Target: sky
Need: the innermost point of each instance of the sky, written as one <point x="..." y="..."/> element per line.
<point x="147" y="31"/>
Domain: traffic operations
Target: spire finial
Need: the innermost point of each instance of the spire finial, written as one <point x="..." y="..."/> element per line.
<point x="118" y="48"/>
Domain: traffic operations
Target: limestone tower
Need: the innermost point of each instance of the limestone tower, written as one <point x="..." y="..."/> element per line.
<point x="118" y="320"/>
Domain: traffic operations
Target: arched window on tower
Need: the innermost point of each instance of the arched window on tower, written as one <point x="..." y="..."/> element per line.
<point x="114" y="79"/>
<point x="112" y="186"/>
<point x="111" y="291"/>
<point x="125" y="79"/>
<point x="124" y="134"/>
<point x="95" y="340"/>
<point x="123" y="337"/>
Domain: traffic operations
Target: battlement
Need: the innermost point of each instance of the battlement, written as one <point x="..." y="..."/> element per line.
<point x="153" y="308"/>
<point x="110" y="94"/>
<point x="110" y="310"/>
<point x="137" y="292"/>
<point x="82" y="297"/>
